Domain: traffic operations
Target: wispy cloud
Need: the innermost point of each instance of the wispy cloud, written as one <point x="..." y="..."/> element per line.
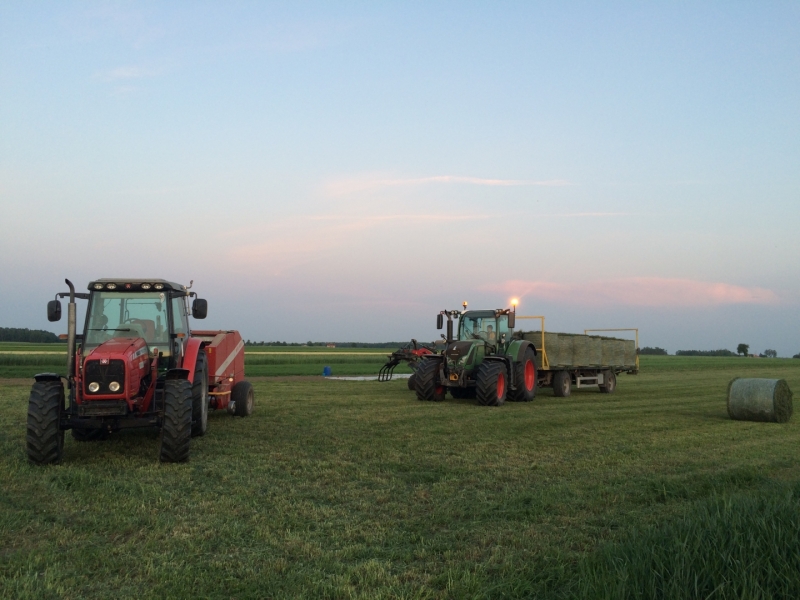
<point x="353" y="185"/>
<point x="640" y="291"/>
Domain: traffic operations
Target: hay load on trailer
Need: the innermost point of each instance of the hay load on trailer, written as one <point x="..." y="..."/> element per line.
<point x="564" y="360"/>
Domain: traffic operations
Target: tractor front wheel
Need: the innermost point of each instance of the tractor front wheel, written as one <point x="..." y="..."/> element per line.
<point x="426" y="382"/>
<point x="200" y="396"/>
<point x="45" y="438"/>
<point x="492" y="384"/>
<point x="176" y="430"/>
<point x="525" y="376"/>
<point x="412" y="382"/>
<point x="243" y="398"/>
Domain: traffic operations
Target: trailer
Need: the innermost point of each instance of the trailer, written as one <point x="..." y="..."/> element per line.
<point x="567" y="360"/>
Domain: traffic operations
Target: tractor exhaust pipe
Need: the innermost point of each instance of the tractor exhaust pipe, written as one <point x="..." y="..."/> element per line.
<point x="71" y="330"/>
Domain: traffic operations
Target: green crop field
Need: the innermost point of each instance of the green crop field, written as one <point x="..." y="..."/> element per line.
<point x="342" y="489"/>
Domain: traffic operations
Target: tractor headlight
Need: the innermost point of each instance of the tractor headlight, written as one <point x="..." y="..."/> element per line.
<point x="94" y="387"/>
<point x="111" y="286"/>
<point x="159" y="286"/>
<point x="113" y="386"/>
<point x="146" y="286"/>
<point x="98" y="286"/>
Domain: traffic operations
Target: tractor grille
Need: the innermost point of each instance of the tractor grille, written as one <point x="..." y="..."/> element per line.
<point x="96" y="372"/>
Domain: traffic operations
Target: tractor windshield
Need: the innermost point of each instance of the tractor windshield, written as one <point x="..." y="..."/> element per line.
<point x="128" y="315"/>
<point x="486" y="327"/>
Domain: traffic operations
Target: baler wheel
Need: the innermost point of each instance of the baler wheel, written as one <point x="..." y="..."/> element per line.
<point x="243" y="397"/>
<point x="176" y="430"/>
<point x="426" y="385"/>
<point x="609" y="382"/>
<point x="491" y="384"/>
<point x="526" y="378"/>
<point x="45" y="438"/>
<point x="562" y="384"/>
<point x="200" y="396"/>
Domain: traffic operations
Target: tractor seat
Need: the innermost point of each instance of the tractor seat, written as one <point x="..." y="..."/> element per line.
<point x="147" y="326"/>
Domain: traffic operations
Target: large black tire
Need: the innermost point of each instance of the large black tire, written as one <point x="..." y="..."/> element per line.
<point x="412" y="382"/>
<point x="525" y="376"/>
<point x="200" y="396"/>
<point x="562" y="384"/>
<point x="88" y="435"/>
<point x="45" y="438"/>
<point x="427" y="385"/>
<point x="609" y="382"/>
<point x="243" y="397"/>
<point x="491" y="384"/>
<point x="460" y="393"/>
<point x="176" y="430"/>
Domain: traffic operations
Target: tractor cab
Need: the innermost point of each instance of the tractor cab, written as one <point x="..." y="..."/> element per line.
<point x="488" y="325"/>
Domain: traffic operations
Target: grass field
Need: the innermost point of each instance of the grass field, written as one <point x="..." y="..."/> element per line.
<point x="340" y="489"/>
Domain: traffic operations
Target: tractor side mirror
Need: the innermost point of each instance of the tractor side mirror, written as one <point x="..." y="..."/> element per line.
<point x="53" y="311"/>
<point x="439" y="321"/>
<point x="512" y="318"/>
<point x="199" y="308"/>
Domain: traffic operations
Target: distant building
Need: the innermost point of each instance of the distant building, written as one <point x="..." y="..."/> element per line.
<point x="330" y="345"/>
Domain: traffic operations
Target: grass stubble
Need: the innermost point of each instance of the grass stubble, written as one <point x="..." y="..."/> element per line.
<point x="339" y="489"/>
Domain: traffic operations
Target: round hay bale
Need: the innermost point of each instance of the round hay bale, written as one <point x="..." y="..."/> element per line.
<point x="767" y="400"/>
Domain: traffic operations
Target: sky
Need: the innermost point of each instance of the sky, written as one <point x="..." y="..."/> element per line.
<point x="344" y="171"/>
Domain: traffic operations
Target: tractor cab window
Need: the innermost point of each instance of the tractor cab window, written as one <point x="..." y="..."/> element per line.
<point x="127" y="315"/>
<point x="489" y="328"/>
<point x="180" y="320"/>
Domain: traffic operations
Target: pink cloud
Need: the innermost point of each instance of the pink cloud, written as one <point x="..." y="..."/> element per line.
<point x="641" y="291"/>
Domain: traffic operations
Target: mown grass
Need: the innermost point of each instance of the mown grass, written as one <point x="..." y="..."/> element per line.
<point x="340" y="489"/>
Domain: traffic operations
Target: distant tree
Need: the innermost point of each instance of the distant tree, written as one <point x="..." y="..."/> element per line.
<point x="770" y="354"/>
<point x="653" y="351"/>
<point x="796" y="355"/>
<point x="36" y="336"/>
<point x="721" y="352"/>
<point x="742" y="349"/>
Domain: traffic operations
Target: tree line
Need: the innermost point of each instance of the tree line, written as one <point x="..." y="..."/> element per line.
<point x="35" y="336"/>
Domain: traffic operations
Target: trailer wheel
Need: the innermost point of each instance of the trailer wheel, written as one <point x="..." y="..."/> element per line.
<point x="243" y="398"/>
<point x="427" y="387"/>
<point x="492" y="384"/>
<point x="88" y="435"/>
<point x="609" y="382"/>
<point x="176" y="429"/>
<point x="562" y="384"/>
<point x="45" y="438"/>
<point x="412" y="382"/>
<point x="526" y="378"/>
<point x="200" y="396"/>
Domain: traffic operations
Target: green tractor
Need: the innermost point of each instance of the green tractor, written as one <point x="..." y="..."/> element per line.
<point x="484" y="362"/>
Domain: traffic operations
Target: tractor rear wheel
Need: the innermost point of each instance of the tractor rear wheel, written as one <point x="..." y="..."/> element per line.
<point x="562" y="384"/>
<point x="200" y="396"/>
<point x="526" y="378"/>
<point x="426" y="385"/>
<point x="176" y="430"/>
<point x="412" y="382"/>
<point x="492" y="384"/>
<point x="45" y="438"/>
<point x="243" y="398"/>
<point x="609" y="382"/>
<point x="88" y="435"/>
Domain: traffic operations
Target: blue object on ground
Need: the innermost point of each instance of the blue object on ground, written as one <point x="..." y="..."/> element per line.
<point x="326" y="371"/>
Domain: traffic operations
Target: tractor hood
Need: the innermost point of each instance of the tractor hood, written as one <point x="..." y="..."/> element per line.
<point x="118" y="347"/>
<point x="457" y="350"/>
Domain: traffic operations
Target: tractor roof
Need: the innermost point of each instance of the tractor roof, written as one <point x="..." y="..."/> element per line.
<point x="135" y="285"/>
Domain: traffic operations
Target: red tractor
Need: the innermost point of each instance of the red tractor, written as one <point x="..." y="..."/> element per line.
<point x="137" y="364"/>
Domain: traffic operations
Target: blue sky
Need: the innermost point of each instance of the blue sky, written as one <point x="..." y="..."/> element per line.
<point x="345" y="171"/>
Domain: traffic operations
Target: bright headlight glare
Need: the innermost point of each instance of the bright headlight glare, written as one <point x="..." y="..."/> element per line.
<point x="94" y="386"/>
<point x="113" y="386"/>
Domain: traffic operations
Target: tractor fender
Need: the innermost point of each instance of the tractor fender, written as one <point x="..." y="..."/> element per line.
<point x="190" y="353"/>
<point x="40" y="377"/>
<point x="516" y="349"/>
